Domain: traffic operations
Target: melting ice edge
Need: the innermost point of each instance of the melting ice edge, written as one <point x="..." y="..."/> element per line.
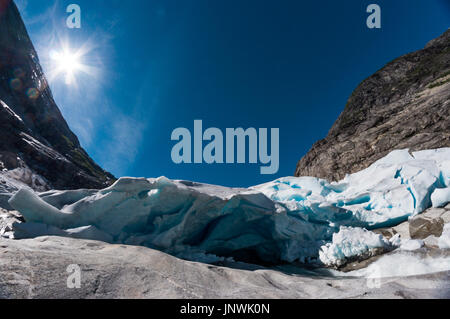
<point x="289" y="219"/>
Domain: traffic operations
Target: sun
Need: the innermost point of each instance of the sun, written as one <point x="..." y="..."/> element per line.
<point x="67" y="63"/>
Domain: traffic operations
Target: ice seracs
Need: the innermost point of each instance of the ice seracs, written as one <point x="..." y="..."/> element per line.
<point x="289" y="219"/>
<point x="351" y="243"/>
<point x="440" y="197"/>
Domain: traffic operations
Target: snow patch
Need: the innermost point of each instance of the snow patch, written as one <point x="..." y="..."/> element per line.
<point x="402" y="265"/>
<point x="444" y="240"/>
<point x="10" y="111"/>
<point x="440" y="197"/>
<point x="412" y="244"/>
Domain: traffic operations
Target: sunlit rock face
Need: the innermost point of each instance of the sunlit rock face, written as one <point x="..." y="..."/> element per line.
<point x="35" y="137"/>
<point x="287" y="220"/>
<point x="406" y="104"/>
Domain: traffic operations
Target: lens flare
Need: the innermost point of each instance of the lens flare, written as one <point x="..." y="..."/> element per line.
<point x="16" y="84"/>
<point x="32" y="93"/>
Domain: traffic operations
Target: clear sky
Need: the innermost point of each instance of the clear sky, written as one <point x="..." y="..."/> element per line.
<point x="159" y="65"/>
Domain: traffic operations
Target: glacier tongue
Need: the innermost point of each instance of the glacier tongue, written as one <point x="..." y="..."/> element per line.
<point x="288" y="219"/>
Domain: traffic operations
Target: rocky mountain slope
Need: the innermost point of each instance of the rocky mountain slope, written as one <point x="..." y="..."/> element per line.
<point x="37" y="146"/>
<point x="404" y="105"/>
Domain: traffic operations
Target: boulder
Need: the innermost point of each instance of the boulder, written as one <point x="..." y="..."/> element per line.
<point x="427" y="224"/>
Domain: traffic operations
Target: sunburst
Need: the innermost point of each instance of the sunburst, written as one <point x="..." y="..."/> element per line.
<point x="69" y="63"/>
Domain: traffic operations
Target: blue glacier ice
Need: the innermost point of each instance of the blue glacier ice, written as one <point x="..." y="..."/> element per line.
<point x="289" y="219"/>
<point x="350" y="242"/>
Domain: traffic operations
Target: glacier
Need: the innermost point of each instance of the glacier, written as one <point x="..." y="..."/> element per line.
<point x="291" y="219"/>
<point x="444" y="240"/>
<point x="352" y="242"/>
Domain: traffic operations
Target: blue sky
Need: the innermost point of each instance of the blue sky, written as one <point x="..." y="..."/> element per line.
<point x="160" y="65"/>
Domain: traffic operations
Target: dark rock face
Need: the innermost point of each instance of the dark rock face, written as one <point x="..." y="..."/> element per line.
<point x="34" y="135"/>
<point x="404" y="105"/>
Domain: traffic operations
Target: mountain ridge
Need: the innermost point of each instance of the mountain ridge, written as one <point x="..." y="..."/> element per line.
<point x="37" y="138"/>
<point x="403" y="105"/>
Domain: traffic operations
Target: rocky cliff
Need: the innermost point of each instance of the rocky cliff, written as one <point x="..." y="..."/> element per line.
<point x="404" y="105"/>
<point x="37" y="146"/>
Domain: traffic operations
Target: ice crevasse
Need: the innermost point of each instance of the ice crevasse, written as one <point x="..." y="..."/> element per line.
<point x="286" y="220"/>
